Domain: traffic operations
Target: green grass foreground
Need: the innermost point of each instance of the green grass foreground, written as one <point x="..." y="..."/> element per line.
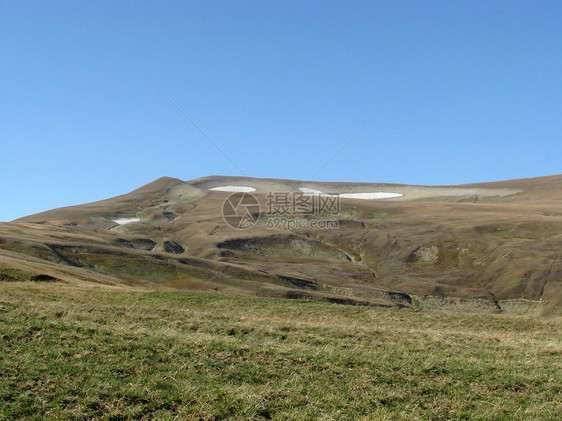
<point x="70" y="352"/>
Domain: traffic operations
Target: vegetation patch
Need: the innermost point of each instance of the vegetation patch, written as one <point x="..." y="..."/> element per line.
<point x="100" y="353"/>
<point x="9" y="274"/>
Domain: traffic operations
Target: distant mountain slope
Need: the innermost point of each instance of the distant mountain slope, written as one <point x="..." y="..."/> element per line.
<point x="486" y="247"/>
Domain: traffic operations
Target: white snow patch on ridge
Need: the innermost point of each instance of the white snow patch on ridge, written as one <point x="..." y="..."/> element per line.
<point x="234" y="189"/>
<point x="312" y="192"/>
<point x="123" y="221"/>
<point x="365" y="196"/>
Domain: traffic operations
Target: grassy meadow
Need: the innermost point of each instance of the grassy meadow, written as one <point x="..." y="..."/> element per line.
<point x="82" y="352"/>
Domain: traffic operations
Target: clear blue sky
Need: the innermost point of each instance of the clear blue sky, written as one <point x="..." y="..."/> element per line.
<point x="280" y="86"/>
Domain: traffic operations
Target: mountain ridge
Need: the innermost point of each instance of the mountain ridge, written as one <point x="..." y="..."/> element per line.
<point x="477" y="247"/>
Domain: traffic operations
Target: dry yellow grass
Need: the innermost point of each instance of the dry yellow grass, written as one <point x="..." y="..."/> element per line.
<point x="88" y="351"/>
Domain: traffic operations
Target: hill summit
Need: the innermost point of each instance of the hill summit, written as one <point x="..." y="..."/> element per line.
<point x="488" y="247"/>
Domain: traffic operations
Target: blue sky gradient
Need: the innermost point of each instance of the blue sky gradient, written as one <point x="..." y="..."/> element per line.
<point x="280" y="87"/>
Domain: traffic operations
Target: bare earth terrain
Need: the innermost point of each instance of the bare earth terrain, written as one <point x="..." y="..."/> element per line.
<point x="491" y="247"/>
<point x="151" y="306"/>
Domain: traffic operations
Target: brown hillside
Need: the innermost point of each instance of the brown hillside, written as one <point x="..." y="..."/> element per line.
<point x="487" y="247"/>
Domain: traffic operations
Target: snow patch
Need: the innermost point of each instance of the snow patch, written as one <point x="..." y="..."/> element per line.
<point x="364" y="196"/>
<point x="234" y="189"/>
<point x="123" y="221"/>
<point x="312" y="192"/>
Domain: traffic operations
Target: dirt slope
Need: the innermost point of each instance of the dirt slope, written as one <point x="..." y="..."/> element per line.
<point x="486" y="247"/>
